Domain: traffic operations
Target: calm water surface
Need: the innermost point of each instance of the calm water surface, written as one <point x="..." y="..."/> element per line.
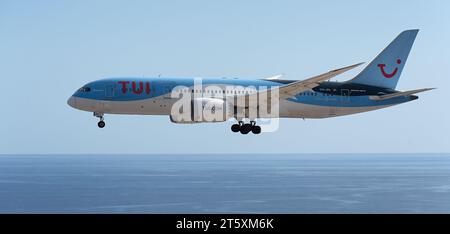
<point x="316" y="183"/>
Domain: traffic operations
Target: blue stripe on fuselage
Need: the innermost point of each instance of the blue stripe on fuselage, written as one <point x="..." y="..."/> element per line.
<point x="111" y="89"/>
<point x="158" y="87"/>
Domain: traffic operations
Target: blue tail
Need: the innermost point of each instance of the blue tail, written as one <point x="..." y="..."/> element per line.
<point x="384" y="71"/>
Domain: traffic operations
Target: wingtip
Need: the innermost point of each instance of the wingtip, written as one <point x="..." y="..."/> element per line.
<point x="276" y="77"/>
<point x="348" y="67"/>
<point x="356" y="65"/>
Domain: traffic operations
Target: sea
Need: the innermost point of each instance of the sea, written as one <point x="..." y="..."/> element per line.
<point x="223" y="183"/>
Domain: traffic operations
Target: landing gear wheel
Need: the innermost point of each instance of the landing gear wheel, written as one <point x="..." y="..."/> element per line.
<point x="246" y="128"/>
<point x="101" y="124"/>
<point x="235" y="127"/>
<point x="256" y="129"/>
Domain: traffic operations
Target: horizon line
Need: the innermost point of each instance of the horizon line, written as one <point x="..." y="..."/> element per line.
<point x="202" y="154"/>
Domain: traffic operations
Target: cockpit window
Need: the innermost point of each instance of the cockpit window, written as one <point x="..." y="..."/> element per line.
<point x="85" y="89"/>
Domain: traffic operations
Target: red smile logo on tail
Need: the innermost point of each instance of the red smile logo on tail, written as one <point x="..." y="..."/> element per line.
<point x="389" y="75"/>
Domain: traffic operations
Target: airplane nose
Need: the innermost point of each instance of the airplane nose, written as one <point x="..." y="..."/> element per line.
<point x="72" y="102"/>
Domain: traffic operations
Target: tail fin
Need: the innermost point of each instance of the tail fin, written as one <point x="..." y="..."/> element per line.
<point x="384" y="71"/>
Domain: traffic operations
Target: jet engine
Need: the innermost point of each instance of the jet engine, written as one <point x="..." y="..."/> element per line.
<point x="201" y="110"/>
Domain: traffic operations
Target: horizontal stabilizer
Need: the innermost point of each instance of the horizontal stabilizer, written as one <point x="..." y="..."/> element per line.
<point x="398" y="94"/>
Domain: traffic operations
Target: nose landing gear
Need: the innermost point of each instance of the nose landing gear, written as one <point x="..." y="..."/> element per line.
<point x="101" y="123"/>
<point x="246" y="128"/>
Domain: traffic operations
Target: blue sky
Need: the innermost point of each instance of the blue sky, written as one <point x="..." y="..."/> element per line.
<point x="48" y="49"/>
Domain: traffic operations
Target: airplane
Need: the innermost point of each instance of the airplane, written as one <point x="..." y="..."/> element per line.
<point x="317" y="97"/>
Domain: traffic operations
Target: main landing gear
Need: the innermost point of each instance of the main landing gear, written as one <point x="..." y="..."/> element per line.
<point x="246" y="128"/>
<point x="101" y="123"/>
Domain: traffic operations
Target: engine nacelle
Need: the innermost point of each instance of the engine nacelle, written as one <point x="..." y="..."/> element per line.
<point x="202" y="110"/>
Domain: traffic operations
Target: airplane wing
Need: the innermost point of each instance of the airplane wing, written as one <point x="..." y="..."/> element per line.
<point x="399" y="94"/>
<point x="294" y="88"/>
